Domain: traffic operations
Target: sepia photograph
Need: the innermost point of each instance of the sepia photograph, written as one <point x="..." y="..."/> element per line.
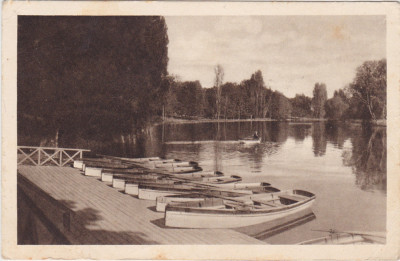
<point x="175" y="129"/>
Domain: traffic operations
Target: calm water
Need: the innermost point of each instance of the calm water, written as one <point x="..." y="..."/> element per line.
<point x="344" y="165"/>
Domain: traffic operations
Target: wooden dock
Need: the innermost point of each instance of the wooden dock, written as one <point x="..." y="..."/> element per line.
<point x="84" y="210"/>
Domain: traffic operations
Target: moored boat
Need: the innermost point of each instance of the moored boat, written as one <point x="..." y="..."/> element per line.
<point x="180" y="170"/>
<point x="348" y="238"/>
<point x="150" y="186"/>
<point x="99" y="164"/>
<point x="151" y="192"/>
<point x="223" y="214"/>
<point x="233" y="194"/>
<point x="177" y="164"/>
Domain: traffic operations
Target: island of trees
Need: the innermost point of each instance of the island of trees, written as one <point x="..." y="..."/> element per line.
<point x="80" y="77"/>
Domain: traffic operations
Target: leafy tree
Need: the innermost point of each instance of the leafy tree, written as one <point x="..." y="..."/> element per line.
<point x="190" y="99"/>
<point x="92" y="76"/>
<point x="281" y="106"/>
<point x="210" y="104"/>
<point x="318" y="100"/>
<point x="258" y="89"/>
<point x="301" y="105"/>
<point x="336" y="107"/>
<point x="369" y="88"/>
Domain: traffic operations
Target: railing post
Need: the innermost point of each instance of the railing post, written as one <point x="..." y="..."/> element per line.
<point x="60" y="158"/>
<point x="80" y="154"/>
<point x="39" y="156"/>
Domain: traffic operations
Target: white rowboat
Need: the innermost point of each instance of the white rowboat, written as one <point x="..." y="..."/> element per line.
<point x="272" y="207"/>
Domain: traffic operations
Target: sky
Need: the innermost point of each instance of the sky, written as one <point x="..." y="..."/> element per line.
<point x="292" y="52"/>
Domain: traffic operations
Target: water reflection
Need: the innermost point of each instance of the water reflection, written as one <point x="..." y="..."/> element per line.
<point x="366" y="153"/>
<point x="319" y="139"/>
<point x="362" y="148"/>
<point x="265" y="230"/>
<point x="368" y="158"/>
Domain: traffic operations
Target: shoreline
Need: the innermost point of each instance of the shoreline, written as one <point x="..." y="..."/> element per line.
<point x="381" y="123"/>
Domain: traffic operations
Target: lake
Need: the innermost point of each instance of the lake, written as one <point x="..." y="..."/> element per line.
<point x="343" y="164"/>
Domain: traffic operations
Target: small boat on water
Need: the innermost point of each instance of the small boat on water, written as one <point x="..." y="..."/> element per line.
<point x="250" y="141"/>
<point x="224" y="214"/>
<point x="348" y="238"/>
<point x="232" y="194"/>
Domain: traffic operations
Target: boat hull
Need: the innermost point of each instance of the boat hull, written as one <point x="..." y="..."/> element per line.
<point x="151" y="194"/>
<point x="93" y="172"/>
<point x="78" y="164"/>
<point x="250" y="141"/>
<point x="232" y="219"/>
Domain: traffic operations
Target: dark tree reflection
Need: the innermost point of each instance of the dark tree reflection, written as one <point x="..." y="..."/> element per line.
<point x="299" y="131"/>
<point x="336" y="133"/>
<point x="319" y="139"/>
<point x="368" y="158"/>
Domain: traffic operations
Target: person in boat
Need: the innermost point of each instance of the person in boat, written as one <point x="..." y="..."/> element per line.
<point x="255" y="136"/>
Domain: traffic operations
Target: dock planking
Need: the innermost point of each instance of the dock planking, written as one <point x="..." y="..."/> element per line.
<point x="91" y="212"/>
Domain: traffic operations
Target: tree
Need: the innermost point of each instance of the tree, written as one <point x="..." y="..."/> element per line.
<point x="258" y="89"/>
<point x="301" y="105"/>
<point x="318" y="100"/>
<point x="369" y="88"/>
<point x="191" y="98"/>
<point x="219" y="78"/>
<point x="210" y="104"/>
<point x="281" y="106"/>
<point x="335" y="108"/>
<point x="92" y="77"/>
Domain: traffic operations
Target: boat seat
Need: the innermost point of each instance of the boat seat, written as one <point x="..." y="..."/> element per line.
<point x="266" y="202"/>
<point x="292" y="197"/>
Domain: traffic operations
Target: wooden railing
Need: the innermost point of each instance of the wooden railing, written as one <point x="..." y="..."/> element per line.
<point x="40" y="156"/>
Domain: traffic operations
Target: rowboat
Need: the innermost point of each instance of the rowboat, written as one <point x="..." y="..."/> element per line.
<point x="220" y="180"/>
<point x="250" y="141"/>
<point x="107" y="176"/>
<point x="168" y="165"/>
<point x="120" y="182"/>
<point x="151" y="192"/>
<point x="181" y="170"/>
<point x="133" y="185"/>
<point x="98" y="171"/>
<point x="348" y="238"/>
<point x="176" y="164"/>
<point x="225" y="214"/>
<point x="233" y="194"/>
<point x="79" y="163"/>
<point x="142" y="160"/>
<point x="99" y="164"/>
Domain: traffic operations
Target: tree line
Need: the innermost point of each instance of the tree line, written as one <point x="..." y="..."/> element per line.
<point x="364" y="98"/>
